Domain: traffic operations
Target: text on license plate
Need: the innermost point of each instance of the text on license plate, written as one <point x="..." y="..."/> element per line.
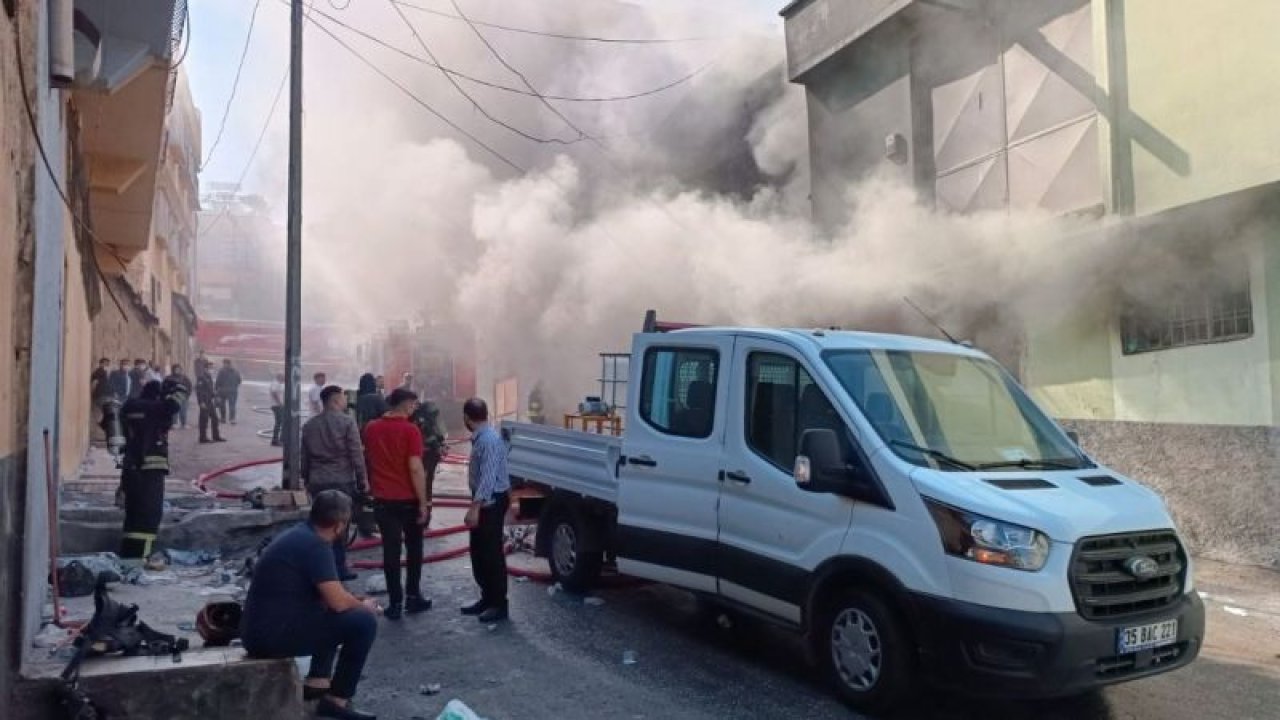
<point x="1142" y="637"/>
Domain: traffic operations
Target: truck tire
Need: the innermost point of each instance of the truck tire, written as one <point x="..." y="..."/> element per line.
<point x="575" y="568"/>
<point x="864" y="650"/>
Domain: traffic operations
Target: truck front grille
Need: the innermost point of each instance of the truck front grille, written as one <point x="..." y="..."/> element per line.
<point x="1103" y="586"/>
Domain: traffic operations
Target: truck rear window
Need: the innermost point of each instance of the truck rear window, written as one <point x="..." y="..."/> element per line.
<point x="678" y="390"/>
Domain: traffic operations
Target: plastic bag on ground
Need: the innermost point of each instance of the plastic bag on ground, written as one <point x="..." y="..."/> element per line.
<point x="98" y="563"/>
<point x="457" y="710"/>
<point x="375" y="584"/>
<point x="191" y="558"/>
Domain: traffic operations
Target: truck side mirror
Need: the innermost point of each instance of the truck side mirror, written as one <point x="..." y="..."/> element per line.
<point x="822" y="468"/>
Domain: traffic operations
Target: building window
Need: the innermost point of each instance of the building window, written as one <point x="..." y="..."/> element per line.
<point x="1196" y="317"/>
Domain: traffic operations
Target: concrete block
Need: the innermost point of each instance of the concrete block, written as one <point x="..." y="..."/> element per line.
<point x="209" y="684"/>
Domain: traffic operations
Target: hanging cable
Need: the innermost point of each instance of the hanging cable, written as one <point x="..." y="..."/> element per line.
<point x="244" y="52"/>
<point x="582" y="134"/>
<point x="561" y="36"/>
<point x="424" y="104"/>
<point x="53" y="177"/>
<point x="507" y="88"/>
<point x="476" y="103"/>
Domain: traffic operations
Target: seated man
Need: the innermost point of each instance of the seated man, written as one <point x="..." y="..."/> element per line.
<point x="297" y="607"/>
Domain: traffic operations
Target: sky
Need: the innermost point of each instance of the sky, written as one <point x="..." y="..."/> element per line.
<point x="218" y="30"/>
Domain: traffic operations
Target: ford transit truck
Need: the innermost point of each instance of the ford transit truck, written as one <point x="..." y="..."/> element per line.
<point x="901" y="502"/>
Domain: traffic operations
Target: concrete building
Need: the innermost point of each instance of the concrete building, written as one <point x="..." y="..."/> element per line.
<point x="83" y="105"/>
<point x="240" y="256"/>
<point x="1156" y="118"/>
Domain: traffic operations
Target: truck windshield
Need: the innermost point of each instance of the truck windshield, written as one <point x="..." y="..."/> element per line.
<point x="952" y="412"/>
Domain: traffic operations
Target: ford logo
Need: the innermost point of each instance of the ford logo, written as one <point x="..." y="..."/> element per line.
<point x="1142" y="567"/>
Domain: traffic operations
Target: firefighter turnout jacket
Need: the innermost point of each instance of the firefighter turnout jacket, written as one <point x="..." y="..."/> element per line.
<point x="146" y="420"/>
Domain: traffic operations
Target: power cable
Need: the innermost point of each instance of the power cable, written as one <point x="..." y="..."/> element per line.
<point x="507" y="88"/>
<point x="475" y="103"/>
<point x="244" y="52"/>
<point x="582" y="134"/>
<point x="53" y="177"/>
<point x="561" y="36"/>
<point x="424" y="104"/>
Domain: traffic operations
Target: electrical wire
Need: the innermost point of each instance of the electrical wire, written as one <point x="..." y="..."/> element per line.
<point x="507" y="88"/>
<point x="476" y="103"/>
<point x="53" y="177"/>
<point x="424" y="104"/>
<point x="561" y="36"/>
<point x="582" y="134"/>
<point x="244" y="52"/>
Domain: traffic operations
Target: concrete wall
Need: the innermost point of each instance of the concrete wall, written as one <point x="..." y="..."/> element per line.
<point x="1209" y="127"/>
<point x="78" y="415"/>
<point x="1221" y="483"/>
<point x="128" y="334"/>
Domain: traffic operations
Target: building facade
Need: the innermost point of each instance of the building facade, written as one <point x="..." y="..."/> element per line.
<point x="1153" y="118"/>
<point x="81" y="181"/>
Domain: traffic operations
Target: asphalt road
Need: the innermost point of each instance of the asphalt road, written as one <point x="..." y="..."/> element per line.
<point x="561" y="658"/>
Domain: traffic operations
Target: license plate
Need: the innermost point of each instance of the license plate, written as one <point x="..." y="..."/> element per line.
<point x="1143" y="637"/>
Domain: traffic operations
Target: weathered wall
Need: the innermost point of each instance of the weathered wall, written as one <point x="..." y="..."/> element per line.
<point x="1210" y="127"/>
<point x="16" y="188"/>
<point x="1221" y="483"/>
<point x="129" y="334"/>
<point x="78" y="362"/>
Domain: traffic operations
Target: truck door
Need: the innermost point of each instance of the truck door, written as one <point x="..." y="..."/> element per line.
<point x="669" y="484"/>
<point x="772" y="534"/>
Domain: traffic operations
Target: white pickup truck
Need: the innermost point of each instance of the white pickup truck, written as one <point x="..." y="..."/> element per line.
<point x="900" y="501"/>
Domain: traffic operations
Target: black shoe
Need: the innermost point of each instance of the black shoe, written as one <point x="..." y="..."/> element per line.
<point x="414" y="604"/>
<point x="329" y="709"/>
<point x="493" y="615"/>
<point x="205" y="441"/>
<point x="394" y="611"/>
<point x="348" y="576"/>
<point x="475" y="608"/>
<point x="310" y="694"/>
<point x="276" y="443"/>
<point x="219" y="439"/>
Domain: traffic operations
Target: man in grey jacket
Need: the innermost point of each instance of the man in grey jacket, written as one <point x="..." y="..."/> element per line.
<point x="333" y="459"/>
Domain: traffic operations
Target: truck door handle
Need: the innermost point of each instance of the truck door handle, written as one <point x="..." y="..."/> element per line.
<point x="738" y="476"/>
<point x="643" y="460"/>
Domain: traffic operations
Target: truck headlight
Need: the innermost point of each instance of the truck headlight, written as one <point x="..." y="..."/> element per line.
<point x="988" y="541"/>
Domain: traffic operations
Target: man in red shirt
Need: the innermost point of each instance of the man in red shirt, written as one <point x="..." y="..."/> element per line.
<point x="402" y="498"/>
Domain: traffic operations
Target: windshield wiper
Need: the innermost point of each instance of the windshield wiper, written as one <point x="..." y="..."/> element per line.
<point x="935" y="454"/>
<point x="1042" y="464"/>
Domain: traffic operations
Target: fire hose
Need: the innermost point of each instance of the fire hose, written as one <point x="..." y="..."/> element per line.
<point x="441" y="500"/>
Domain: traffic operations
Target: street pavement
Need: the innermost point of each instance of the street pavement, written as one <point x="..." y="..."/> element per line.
<point x="562" y="658"/>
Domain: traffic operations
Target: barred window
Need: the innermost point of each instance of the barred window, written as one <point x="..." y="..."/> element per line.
<point x="1196" y="317"/>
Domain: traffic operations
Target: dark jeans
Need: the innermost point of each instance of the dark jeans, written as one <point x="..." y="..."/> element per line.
<point x="278" y="412"/>
<point x="488" y="561"/>
<point x="347" y="635"/>
<point x="208" y="417"/>
<point x="398" y="521"/>
<point x="143" y="511"/>
<point x="227" y="406"/>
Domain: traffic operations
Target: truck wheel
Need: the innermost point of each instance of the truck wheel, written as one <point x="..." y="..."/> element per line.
<point x="865" y="651"/>
<point x="574" y="568"/>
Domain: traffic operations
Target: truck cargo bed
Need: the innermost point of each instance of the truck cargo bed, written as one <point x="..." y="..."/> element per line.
<point x="579" y="462"/>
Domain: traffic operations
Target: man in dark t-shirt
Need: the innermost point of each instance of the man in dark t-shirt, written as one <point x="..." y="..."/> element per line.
<point x="296" y="607"/>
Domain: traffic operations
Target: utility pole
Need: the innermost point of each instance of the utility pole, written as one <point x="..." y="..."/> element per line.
<point x="293" y="282"/>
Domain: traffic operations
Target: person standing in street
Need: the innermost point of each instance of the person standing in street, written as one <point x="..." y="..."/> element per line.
<point x="207" y="399"/>
<point x="406" y="382"/>
<point x="153" y="373"/>
<point x="427" y="418"/>
<point x="313" y="395"/>
<point x="276" y="390"/>
<point x="179" y="377"/>
<point x="490" y="485"/>
<point x="402" y="499"/>
<point x="120" y="382"/>
<point x="297" y="607"/>
<point x="380" y="382"/>
<point x="146" y="421"/>
<point x="99" y="388"/>
<point x="370" y="405"/>
<point x="333" y="459"/>
<point x="137" y="378"/>
<point x="227" y="385"/>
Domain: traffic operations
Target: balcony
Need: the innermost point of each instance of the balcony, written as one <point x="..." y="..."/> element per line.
<point x="123" y="113"/>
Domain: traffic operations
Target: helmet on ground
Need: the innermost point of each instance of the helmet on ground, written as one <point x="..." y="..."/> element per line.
<point x="219" y="623"/>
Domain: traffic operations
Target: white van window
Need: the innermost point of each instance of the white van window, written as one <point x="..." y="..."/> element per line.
<point x="678" y="390"/>
<point x="782" y="402"/>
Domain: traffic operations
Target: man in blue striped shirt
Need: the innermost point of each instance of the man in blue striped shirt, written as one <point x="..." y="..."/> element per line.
<point x="490" y="497"/>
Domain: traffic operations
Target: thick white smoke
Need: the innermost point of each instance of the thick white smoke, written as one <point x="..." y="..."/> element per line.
<point x="404" y="218"/>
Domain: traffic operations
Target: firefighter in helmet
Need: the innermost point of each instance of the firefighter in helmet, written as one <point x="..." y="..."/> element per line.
<point x="146" y="420"/>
